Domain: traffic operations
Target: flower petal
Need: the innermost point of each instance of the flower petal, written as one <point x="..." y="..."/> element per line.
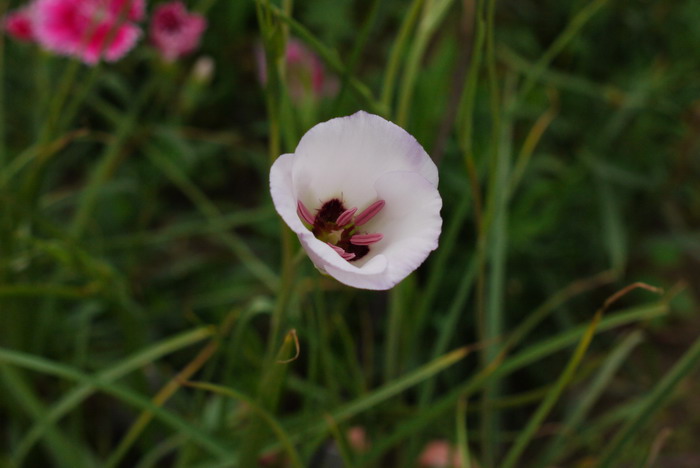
<point x="321" y="254"/>
<point x="343" y="158"/>
<point x="410" y="223"/>
<point x="282" y="191"/>
<point x="370" y="275"/>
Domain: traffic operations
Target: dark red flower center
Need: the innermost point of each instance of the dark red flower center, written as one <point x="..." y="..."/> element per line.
<point x="339" y="227"/>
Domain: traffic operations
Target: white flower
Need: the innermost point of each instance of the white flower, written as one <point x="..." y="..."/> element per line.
<point x="361" y="194"/>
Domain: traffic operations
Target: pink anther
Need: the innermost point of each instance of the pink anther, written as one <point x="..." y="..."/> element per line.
<point x="366" y="239"/>
<point x="336" y="248"/>
<point x="304" y="213"/>
<point x="345" y="217"/>
<point x="346" y="255"/>
<point x="369" y="212"/>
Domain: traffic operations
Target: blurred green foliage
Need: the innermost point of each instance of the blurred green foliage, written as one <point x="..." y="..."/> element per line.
<point x="138" y="240"/>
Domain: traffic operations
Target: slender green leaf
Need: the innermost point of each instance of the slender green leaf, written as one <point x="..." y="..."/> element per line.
<point x="657" y="398"/>
<point x="76" y="396"/>
<point x="589" y="396"/>
<point x="526" y="435"/>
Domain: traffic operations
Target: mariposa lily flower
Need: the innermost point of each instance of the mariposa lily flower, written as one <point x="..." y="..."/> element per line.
<point x="361" y="195"/>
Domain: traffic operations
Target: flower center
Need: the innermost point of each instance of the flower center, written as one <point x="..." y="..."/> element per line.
<point x="170" y="22"/>
<point x="340" y="227"/>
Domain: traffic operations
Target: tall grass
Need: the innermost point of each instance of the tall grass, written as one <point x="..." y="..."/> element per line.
<point x="154" y="311"/>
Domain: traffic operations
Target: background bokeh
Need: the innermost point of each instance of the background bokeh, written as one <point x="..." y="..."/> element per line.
<point x="138" y="242"/>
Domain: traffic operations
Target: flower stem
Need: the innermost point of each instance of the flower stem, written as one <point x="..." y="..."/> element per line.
<point x="272" y="372"/>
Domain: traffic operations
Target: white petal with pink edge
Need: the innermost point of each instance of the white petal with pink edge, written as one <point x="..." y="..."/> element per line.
<point x="368" y="191"/>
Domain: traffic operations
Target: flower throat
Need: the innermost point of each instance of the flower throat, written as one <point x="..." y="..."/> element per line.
<point x="339" y="227"/>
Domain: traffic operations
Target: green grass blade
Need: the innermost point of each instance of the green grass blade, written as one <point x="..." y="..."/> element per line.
<point x="341" y="443"/>
<point x="449" y="328"/>
<point x="462" y="434"/>
<point x="497" y="252"/>
<point x="30" y="155"/>
<point x="270" y="386"/>
<point x="108" y="160"/>
<point x="656" y="399"/>
<point x="358" y="48"/>
<point x="63" y="451"/>
<point x="122" y="393"/>
<point x="526" y="435"/>
<point x="613" y="362"/>
<point x="567" y="35"/>
<point x="390" y="390"/>
<point x="613" y="226"/>
<point x="399" y="385"/>
<point x="284" y="438"/>
<point x="398" y="304"/>
<point x="154" y="457"/>
<point x="46" y="290"/>
<point x="76" y="396"/>
<point x="190" y="228"/>
<point x="432" y="14"/>
<point x="438" y="268"/>
<point x="212" y="213"/>
<point x="165" y="393"/>
<point x="397" y="51"/>
<point x="530" y="355"/>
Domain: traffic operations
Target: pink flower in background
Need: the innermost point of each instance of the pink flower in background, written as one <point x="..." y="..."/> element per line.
<point x="357" y="438"/>
<point x="440" y="454"/>
<point x="305" y="70"/>
<point x="133" y="10"/>
<point x="175" y="31"/>
<point x="88" y="29"/>
<point x="18" y="24"/>
<point x="306" y="75"/>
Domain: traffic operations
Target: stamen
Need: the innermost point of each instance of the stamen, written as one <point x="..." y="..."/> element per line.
<point x="304" y="213"/>
<point x="336" y="248"/>
<point x="346" y="255"/>
<point x="369" y="212"/>
<point x="366" y="239"/>
<point x="345" y="217"/>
